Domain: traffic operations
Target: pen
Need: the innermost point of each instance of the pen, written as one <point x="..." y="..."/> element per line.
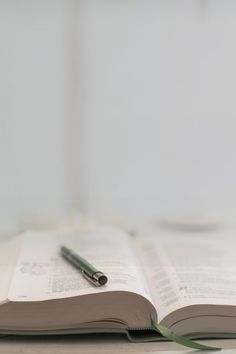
<point x="88" y="270"/>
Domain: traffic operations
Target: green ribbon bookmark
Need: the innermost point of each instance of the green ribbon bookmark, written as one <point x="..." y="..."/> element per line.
<point x="167" y="333"/>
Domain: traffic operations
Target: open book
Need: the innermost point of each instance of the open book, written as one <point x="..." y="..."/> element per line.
<point x="182" y="282"/>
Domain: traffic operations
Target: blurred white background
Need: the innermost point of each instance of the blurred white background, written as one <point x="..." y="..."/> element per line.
<point x="124" y="110"/>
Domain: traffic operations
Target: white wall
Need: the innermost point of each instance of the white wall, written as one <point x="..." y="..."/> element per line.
<point x="125" y="109"/>
<point x="32" y="111"/>
<point x="159" y="106"/>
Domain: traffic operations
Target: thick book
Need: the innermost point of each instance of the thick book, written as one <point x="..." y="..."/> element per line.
<point x="185" y="283"/>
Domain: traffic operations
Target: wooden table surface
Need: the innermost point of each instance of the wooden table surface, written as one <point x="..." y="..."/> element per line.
<point x="99" y="344"/>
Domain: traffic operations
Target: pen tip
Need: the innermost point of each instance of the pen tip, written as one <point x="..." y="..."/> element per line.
<point x="102" y="280"/>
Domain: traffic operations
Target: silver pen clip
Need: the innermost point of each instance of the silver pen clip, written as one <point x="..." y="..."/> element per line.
<point x="91" y="279"/>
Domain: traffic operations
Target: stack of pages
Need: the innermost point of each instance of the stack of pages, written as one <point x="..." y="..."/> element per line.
<point x="184" y="282"/>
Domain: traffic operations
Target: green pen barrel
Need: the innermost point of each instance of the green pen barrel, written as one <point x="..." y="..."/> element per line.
<point x="78" y="261"/>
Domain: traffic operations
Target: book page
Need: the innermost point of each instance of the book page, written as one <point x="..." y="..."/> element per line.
<point x="9" y="250"/>
<point x="185" y="269"/>
<point x="42" y="273"/>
